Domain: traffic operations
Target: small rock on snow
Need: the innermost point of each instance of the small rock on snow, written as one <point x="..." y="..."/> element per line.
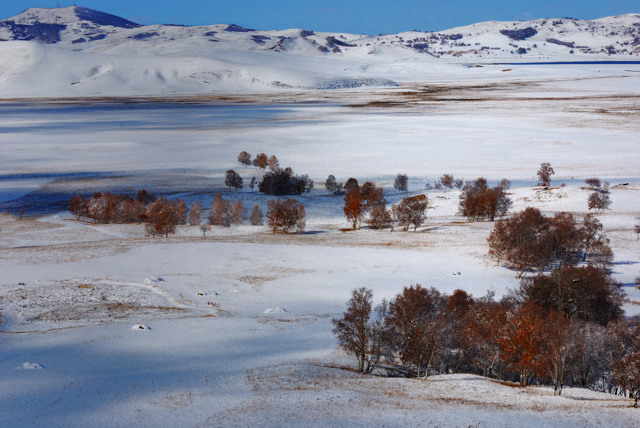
<point x="140" y="327"/>
<point x="274" y="311"/>
<point x="30" y="366"/>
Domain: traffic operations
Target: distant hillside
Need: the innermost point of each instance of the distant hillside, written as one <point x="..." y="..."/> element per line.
<point x="105" y="53"/>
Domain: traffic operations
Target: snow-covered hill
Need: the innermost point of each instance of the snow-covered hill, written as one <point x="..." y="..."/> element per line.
<point x="79" y="51"/>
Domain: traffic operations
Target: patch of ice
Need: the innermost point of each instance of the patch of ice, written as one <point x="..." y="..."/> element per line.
<point x="153" y="280"/>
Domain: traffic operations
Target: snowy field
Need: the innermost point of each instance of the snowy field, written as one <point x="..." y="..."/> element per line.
<point x="103" y="326"/>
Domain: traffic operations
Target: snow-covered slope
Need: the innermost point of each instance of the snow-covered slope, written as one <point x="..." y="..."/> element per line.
<point x="78" y="51"/>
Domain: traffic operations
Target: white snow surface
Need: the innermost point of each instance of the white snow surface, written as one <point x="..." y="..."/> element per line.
<point x="235" y="330"/>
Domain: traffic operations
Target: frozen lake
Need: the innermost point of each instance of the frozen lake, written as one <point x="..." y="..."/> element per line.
<point x="495" y="131"/>
<point x="60" y="118"/>
<point x="508" y="137"/>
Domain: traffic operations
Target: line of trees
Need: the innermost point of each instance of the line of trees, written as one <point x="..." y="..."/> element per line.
<point x="529" y="336"/>
<point x="161" y="216"/>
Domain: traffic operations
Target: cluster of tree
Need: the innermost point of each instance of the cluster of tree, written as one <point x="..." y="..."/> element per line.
<point x="261" y="161"/>
<point x="233" y="179"/>
<point x="368" y="200"/>
<point x="531" y="335"/>
<point x="277" y="181"/>
<point x="359" y="201"/>
<point x="529" y="240"/>
<point x="284" y="182"/>
<point x="410" y="211"/>
<point x="164" y="215"/>
<point x="332" y="186"/>
<point x="285" y="216"/>
<point x="448" y="181"/>
<point x="599" y="199"/>
<point x="479" y="202"/>
<point x="225" y="213"/>
<point x="160" y="215"/>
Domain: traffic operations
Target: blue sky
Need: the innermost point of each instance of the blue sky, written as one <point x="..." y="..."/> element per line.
<point x="357" y="16"/>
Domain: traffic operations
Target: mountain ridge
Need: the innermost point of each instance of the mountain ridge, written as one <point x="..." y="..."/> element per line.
<point x="86" y="51"/>
<point x="623" y="30"/>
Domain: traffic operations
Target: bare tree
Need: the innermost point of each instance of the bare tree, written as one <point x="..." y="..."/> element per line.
<point x="285" y="215"/>
<point x="371" y="196"/>
<point x="411" y="211"/>
<point x="255" y="218"/>
<point x="594" y="183"/>
<point x="353" y="328"/>
<point x="544" y="174"/>
<point x="233" y="179"/>
<point x="237" y="212"/>
<point x="523" y="241"/>
<point x="252" y="183"/>
<point x="78" y="206"/>
<point x="244" y="158"/>
<point x="332" y="186"/>
<point x="204" y="228"/>
<point x="353" y="206"/>
<point x="273" y="163"/>
<point x="416" y="319"/>
<point x="301" y="185"/>
<point x="351" y="184"/>
<point x="380" y="217"/>
<point x="401" y="183"/>
<point x="361" y="328"/>
<point x="478" y="201"/>
<point x="145" y="197"/>
<point x="261" y="161"/>
<point x="591" y="233"/>
<point x="447" y="181"/>
<point x="220" y="214"/>
<point x="163" y="221"/>
<point x="194" y="214"/>
<point x="599" y="200"/>
<point x="584" y="293"/>
<point x="627" y="374"/>
<point x="180" y="208"/>
<point x="601" y="255"/>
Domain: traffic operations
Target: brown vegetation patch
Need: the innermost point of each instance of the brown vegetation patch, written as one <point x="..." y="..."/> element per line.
<point x="507" y="383"/>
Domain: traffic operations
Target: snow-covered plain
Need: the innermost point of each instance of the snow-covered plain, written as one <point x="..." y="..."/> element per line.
<point x="103" y="326"/>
